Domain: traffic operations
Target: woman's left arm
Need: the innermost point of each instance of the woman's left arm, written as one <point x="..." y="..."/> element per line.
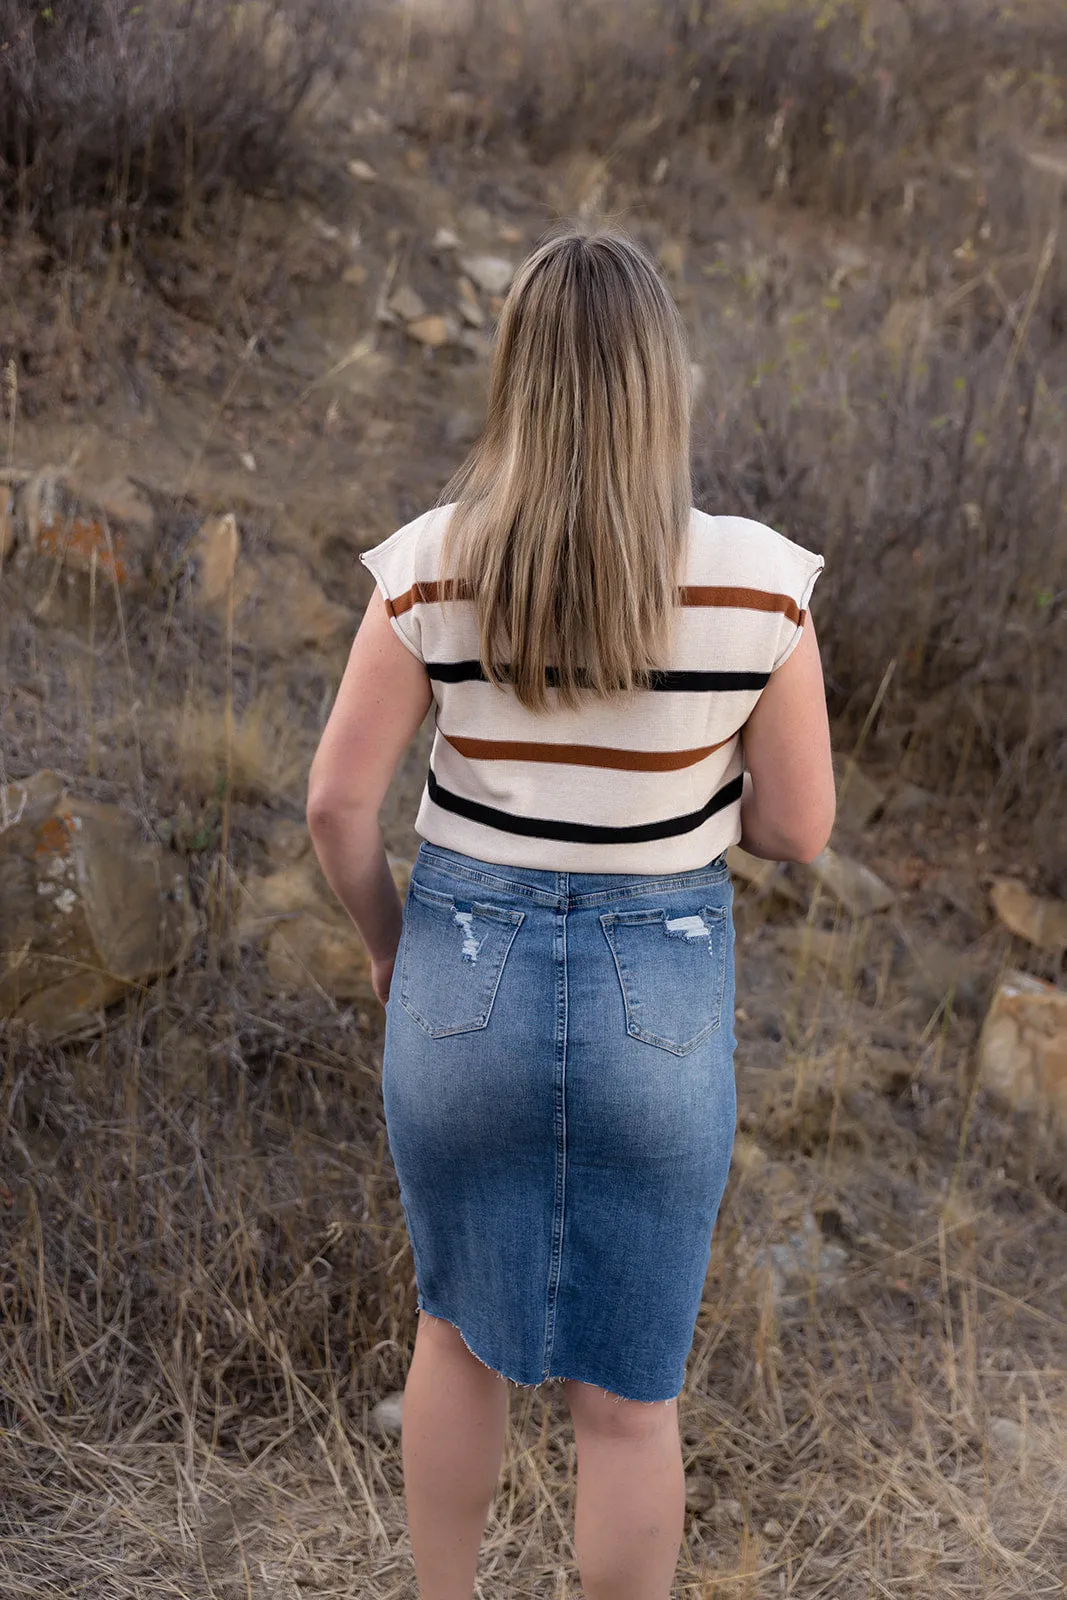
<point x="384" y="696"/>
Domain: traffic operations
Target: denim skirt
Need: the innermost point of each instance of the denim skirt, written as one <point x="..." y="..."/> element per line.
<point x="558" y="1087"/>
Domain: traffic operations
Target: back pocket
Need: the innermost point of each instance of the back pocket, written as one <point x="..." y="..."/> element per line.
<point x="453" y="959"/>
<point x="672" y="970"/>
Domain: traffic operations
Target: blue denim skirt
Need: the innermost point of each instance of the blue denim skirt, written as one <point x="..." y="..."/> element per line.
<point x="558" y="1086"/>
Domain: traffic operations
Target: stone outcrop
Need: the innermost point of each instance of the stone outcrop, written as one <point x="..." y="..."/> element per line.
<point x="88" y="909"/>
<point x="1022" y="1053"/>
<point x="74" y="546"/>
<point x="308" y="939"/>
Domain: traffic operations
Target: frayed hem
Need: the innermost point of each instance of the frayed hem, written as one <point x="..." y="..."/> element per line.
<point x="554" y="1377"/>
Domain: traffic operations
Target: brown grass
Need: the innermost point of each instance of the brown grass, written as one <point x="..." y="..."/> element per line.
<point x="205" y="1279"/>
<point x="252" y="755"/>
<point x="891" y="394"/>
<point x="208" y="1283"/>
<point x="123" y="117"/>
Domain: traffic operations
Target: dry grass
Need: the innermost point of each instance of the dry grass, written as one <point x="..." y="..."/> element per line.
<point x="253" y="755"/>
<point x="893" y="394"/>
<point x="208" y="1283"/>
<point x="205" y="1279"/>
<point x="117" y="117"/>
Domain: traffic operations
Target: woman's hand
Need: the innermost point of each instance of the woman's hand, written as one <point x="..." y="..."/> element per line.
<point x="381" y="977"/>
<point x="384" y="695"/>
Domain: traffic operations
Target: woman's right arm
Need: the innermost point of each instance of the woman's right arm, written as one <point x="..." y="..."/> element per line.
<point x="789" y="799"/>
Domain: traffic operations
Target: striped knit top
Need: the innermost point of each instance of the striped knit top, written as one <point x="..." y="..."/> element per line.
<point x="649" y="782"/>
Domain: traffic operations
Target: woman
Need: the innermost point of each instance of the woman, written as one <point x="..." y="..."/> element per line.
<point x="623" y="687"/>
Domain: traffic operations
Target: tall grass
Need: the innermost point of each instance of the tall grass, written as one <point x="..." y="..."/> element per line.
<point x="901" y="407"/>
<point x="115" y="113"/>
<point x="205" y="1280"/>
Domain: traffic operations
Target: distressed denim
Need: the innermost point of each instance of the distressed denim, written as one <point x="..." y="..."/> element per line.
<point x="558" y="1085"/>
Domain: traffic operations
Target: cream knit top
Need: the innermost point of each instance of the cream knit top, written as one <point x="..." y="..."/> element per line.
<point x="647" y="783"/>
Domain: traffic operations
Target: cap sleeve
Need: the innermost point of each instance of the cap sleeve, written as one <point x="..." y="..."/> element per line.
<point x="801" y="571"/>
<point x="392" y="565"/>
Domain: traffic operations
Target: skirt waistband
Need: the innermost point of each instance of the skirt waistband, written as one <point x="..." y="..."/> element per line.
<point x="560" y="890"/>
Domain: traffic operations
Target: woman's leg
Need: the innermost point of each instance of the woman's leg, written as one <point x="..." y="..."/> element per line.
<point x="630" y="1512"/>
<point x="452" y="1437"/>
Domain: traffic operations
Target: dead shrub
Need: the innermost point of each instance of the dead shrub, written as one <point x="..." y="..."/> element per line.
<point x="911" y="429"/>
<point x="119" y="114"/>
<point x="934" y="479"/>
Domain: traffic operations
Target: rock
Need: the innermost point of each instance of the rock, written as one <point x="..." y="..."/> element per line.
<point x="29" y="800"/>
<point x="462" y="427"/>
<point x="355" y="274"/>
<point x="1022" y="1051"/>
<point x="407" y="303"/>
<point x="672" y="258"/>
<point x="1006" y="1437"/>
<point x="936" y="970"/>
<point x="278" y="606"/>
<point x="214" y="548"/>
<point x="305" y="952"/>
<point x="434" y="332"/>
<point x="88" y="910"/>
<point x="477" y="343"/>
<point x="858" y="799"/>
<point x="308" y="939"/>
<point x="362" y="171"/>
<point x="699" y="1494"/>
<point x="299" y="886"/>
<point x="475" y="222"/>
<point x="492" y="274"/>
<point x="803" y="1260"/>
<point x="445" y="239"/>
<point x="831" y="949"/>
<point x="855" y="887"/>
<point x="387" y="1415"/>
<point x="773" y="1529"/>
<point x="288" y="610"/>
<point x="469" y="306"/>
<point x="761" y="877"/>
<point x="288" y="841"/>
<point x="7" y="520"/>
<point x="1040" y="922"/>
<point x="509" y="234"/>
<point x="909" y="802"/>
<point x="76" y="543"/>
<point x="1053" y="161"/>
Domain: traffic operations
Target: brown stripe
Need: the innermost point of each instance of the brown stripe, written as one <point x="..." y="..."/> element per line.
<point x="688" y="595"/>
<point x="426" y="593"/>
<point x="739" y="599"/>
<point x="580" y="755"/>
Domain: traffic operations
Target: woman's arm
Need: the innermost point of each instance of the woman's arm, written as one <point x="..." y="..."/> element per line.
<point x="789" y="799"/>
<point x="384" y="696"/>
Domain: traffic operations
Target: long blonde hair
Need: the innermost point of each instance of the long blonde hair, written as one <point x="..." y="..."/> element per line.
<point x="570" y="513"/>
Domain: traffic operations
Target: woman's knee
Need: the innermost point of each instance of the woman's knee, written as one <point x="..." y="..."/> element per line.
<point x="444" y="1340"/>
<point x="597" y="1413"/>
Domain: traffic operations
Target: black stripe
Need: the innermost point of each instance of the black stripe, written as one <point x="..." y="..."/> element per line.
<point x="579" y="832"/>
<point x="471" y="672"/>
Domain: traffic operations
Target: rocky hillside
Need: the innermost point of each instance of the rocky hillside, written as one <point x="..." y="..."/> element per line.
<point x="207" y="1291"/>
